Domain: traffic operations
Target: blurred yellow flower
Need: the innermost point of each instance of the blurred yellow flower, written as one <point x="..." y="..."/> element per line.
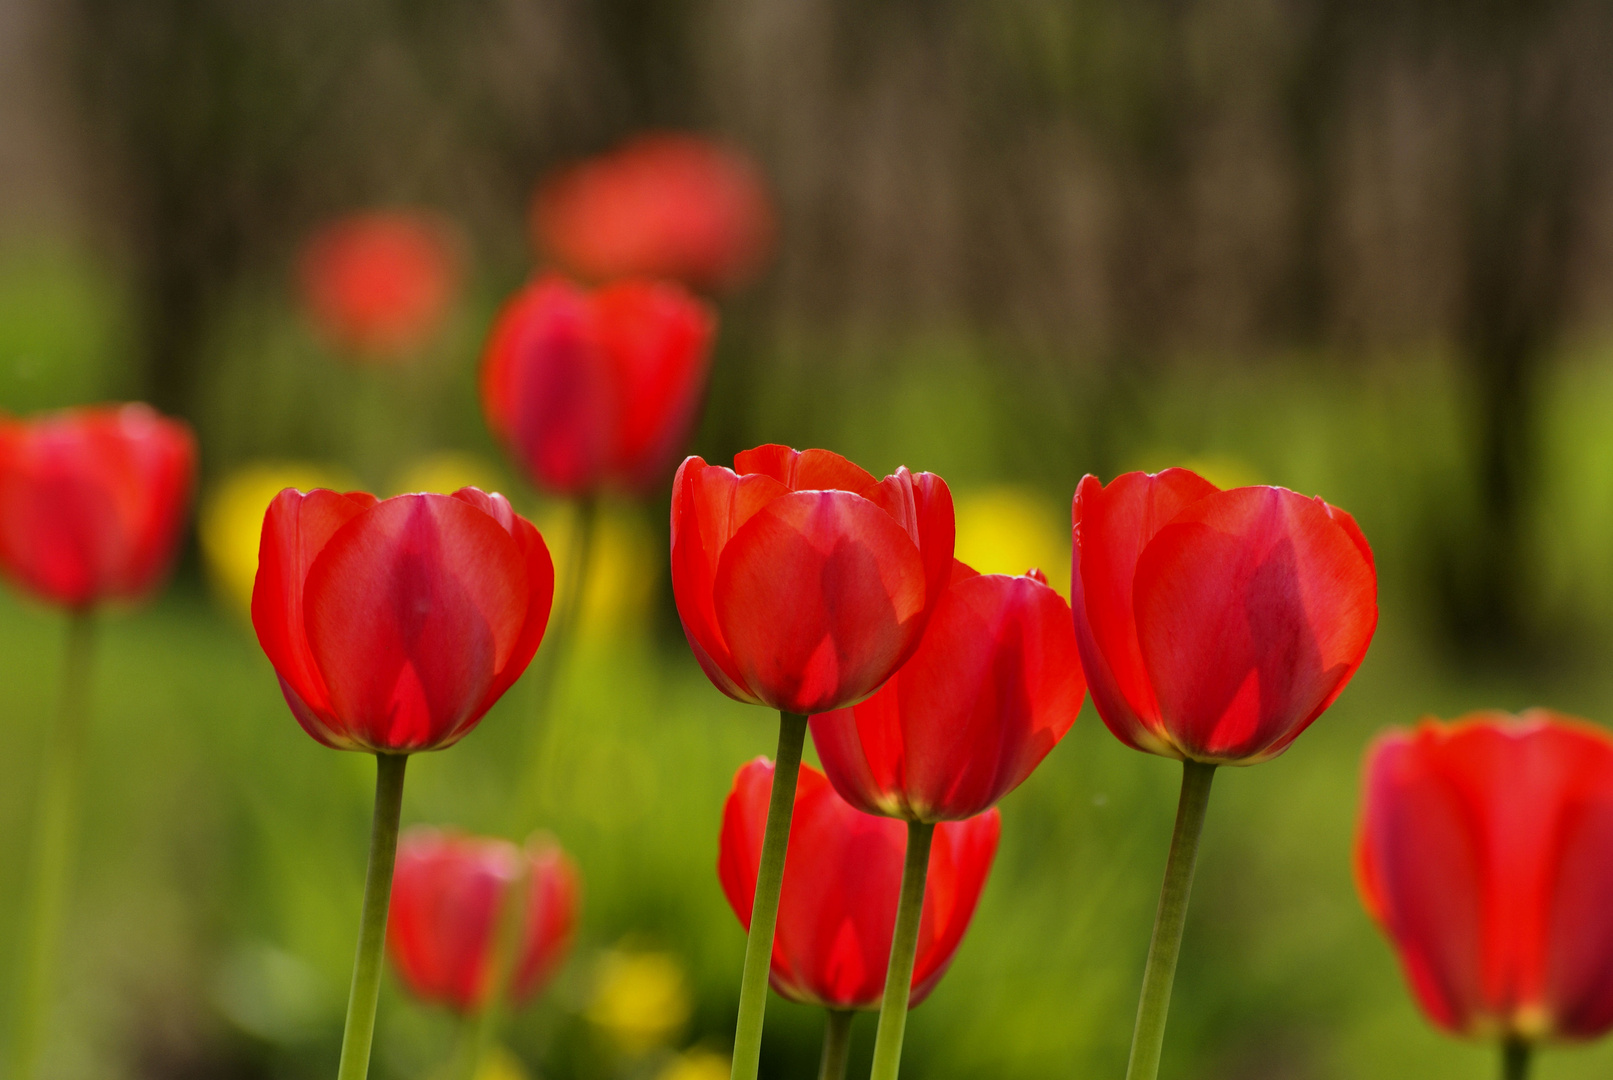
<point x="445" y="472"/>
<point x="640" y="998"/>
<point x="498" y="1063"/>
<point x="620" y="586"/>
<point x="1009" y="530"/>
<point x="231" y="520"/>
<point x="697" y="1064"/>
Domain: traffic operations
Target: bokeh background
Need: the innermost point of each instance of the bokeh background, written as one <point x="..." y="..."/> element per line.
<point x="1360" y="248"/>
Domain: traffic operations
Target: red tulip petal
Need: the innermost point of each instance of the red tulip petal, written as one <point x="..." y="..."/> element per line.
<point x="708" y="504"/>
<point x="819" y="596"/>
<point x="1253" y="609"/>
<point x="413" y="609"/>
<point x="551" y="918"/>
<point x="994" y="685"/>
<point x="296" y="529"/>
<point x="922" y="504"/>
<point x="806" y="470"/>
<point x="1111" y="526"/>
<point x="960" y="861"/>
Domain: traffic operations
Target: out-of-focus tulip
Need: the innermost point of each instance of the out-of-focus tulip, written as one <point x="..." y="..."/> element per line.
<point x="1485" y="852"/>
<point x="697" y="1064"/>
<point x="662" y="205"/>
<point x="994" y="685"/>
<point x="379" y="284"/>
<point x="448" y="896"/>
<point x="230" y="524"/>
<point x="842" y="878"/>
<point x="803" y="583"/>
<point x="1216" y="625"/>
<point x="92" y="501"/>
<point x="394" y="625"/>
<point x="589" y="389"/>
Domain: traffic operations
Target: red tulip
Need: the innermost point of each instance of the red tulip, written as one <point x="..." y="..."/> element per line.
<point x="1216" y="625"/>
<point x="842" y="877"/>
<point x="378" y="284"/>
<point x="92" y="501"/>
<point x="447" y="894"/>
<point x="1485" y="852"/>
<point x="589" y="389"/>
<point x="394" y="625"/>
<point x="802" y="582"/>
<point x="661" y="205"/>
<point x="994" y="685"/>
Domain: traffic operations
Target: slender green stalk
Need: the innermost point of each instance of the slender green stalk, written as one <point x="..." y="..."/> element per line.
<point x="570" y="583"/>
<point x="836" y="1045"/>
<point x="764" y="908"/>
<point x="904" y="945"/>
<point x="1515" y="1055"/>
<point x="55" y="838"/>
<point x="366" y="988"/>
<point x="1148" y="1039"/>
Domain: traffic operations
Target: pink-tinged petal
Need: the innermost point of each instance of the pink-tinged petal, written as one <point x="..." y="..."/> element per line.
<point x="806" y="470"/>
<point x="922" y="505"/>
<point x="657" y="339"/>
<point x="1253" y="609"/>
<point x="1421" y="869"/>
<point x="820" y="595"/>
<point x="993" y="687"/>
<point x="1110" y="527"/>
<point x="413" y="609"/>
<point x="296" y="529"/>
<point x="539" y="581"/>
<point x="709" y="503"/>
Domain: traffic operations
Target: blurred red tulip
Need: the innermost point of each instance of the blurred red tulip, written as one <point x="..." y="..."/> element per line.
<point x="803" y="583"/>
<point x="1216" y="625"/>
<point x="1485" y="852"/>
<point x="842" y="878"/>
<point x="589" y="389"/>
<point x="994" y="685"/>
<point x="662" y="205"/>
<point x="447" y="894"/>
<point x="379" y="284"/>
<point x="93" y="501"/>
<point x="394" y="625"/>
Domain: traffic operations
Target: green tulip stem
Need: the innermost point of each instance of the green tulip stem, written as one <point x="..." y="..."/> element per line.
<point x="1148" y="1039"/>
<point x="836" y="1045"/>
<point x="792" y="730"/>
<point x="571" y="580"/>
<point x="55" y="837"/>
<point x="1515" y="1055"/>
<point x="904" y="946"/>
<point x="366" y="989"/>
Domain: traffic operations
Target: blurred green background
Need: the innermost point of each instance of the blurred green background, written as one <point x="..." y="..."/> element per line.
<point x="1364" y="250"/>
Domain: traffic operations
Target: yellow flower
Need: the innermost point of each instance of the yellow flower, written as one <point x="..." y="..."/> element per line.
<point x="498" y="1063"/>
<point x="640" y="998"/>
<point x="1009" y="530"/>
<point x="622" y="562"/>
<point x="231" y="520"/>
<point x="697" y="1064"/>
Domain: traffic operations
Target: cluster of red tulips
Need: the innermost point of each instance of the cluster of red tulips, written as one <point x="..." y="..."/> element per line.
<point x="1210" y="626"/>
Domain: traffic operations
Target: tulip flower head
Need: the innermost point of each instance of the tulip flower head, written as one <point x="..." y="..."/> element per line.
<point x="842" y="877"/>
<point x="1215" y="626"/>
<point x="93" y="501"/>
<point x="594" y="389"/>
<point x="994" y="685"/>
<point x="379" y="284"/>
<point x="448" y="897"/>
<point x="803" y="583"/>
<point x="395" y="624"/>
<point x="1485" y="852"/>
<point x="663" y="205"/>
